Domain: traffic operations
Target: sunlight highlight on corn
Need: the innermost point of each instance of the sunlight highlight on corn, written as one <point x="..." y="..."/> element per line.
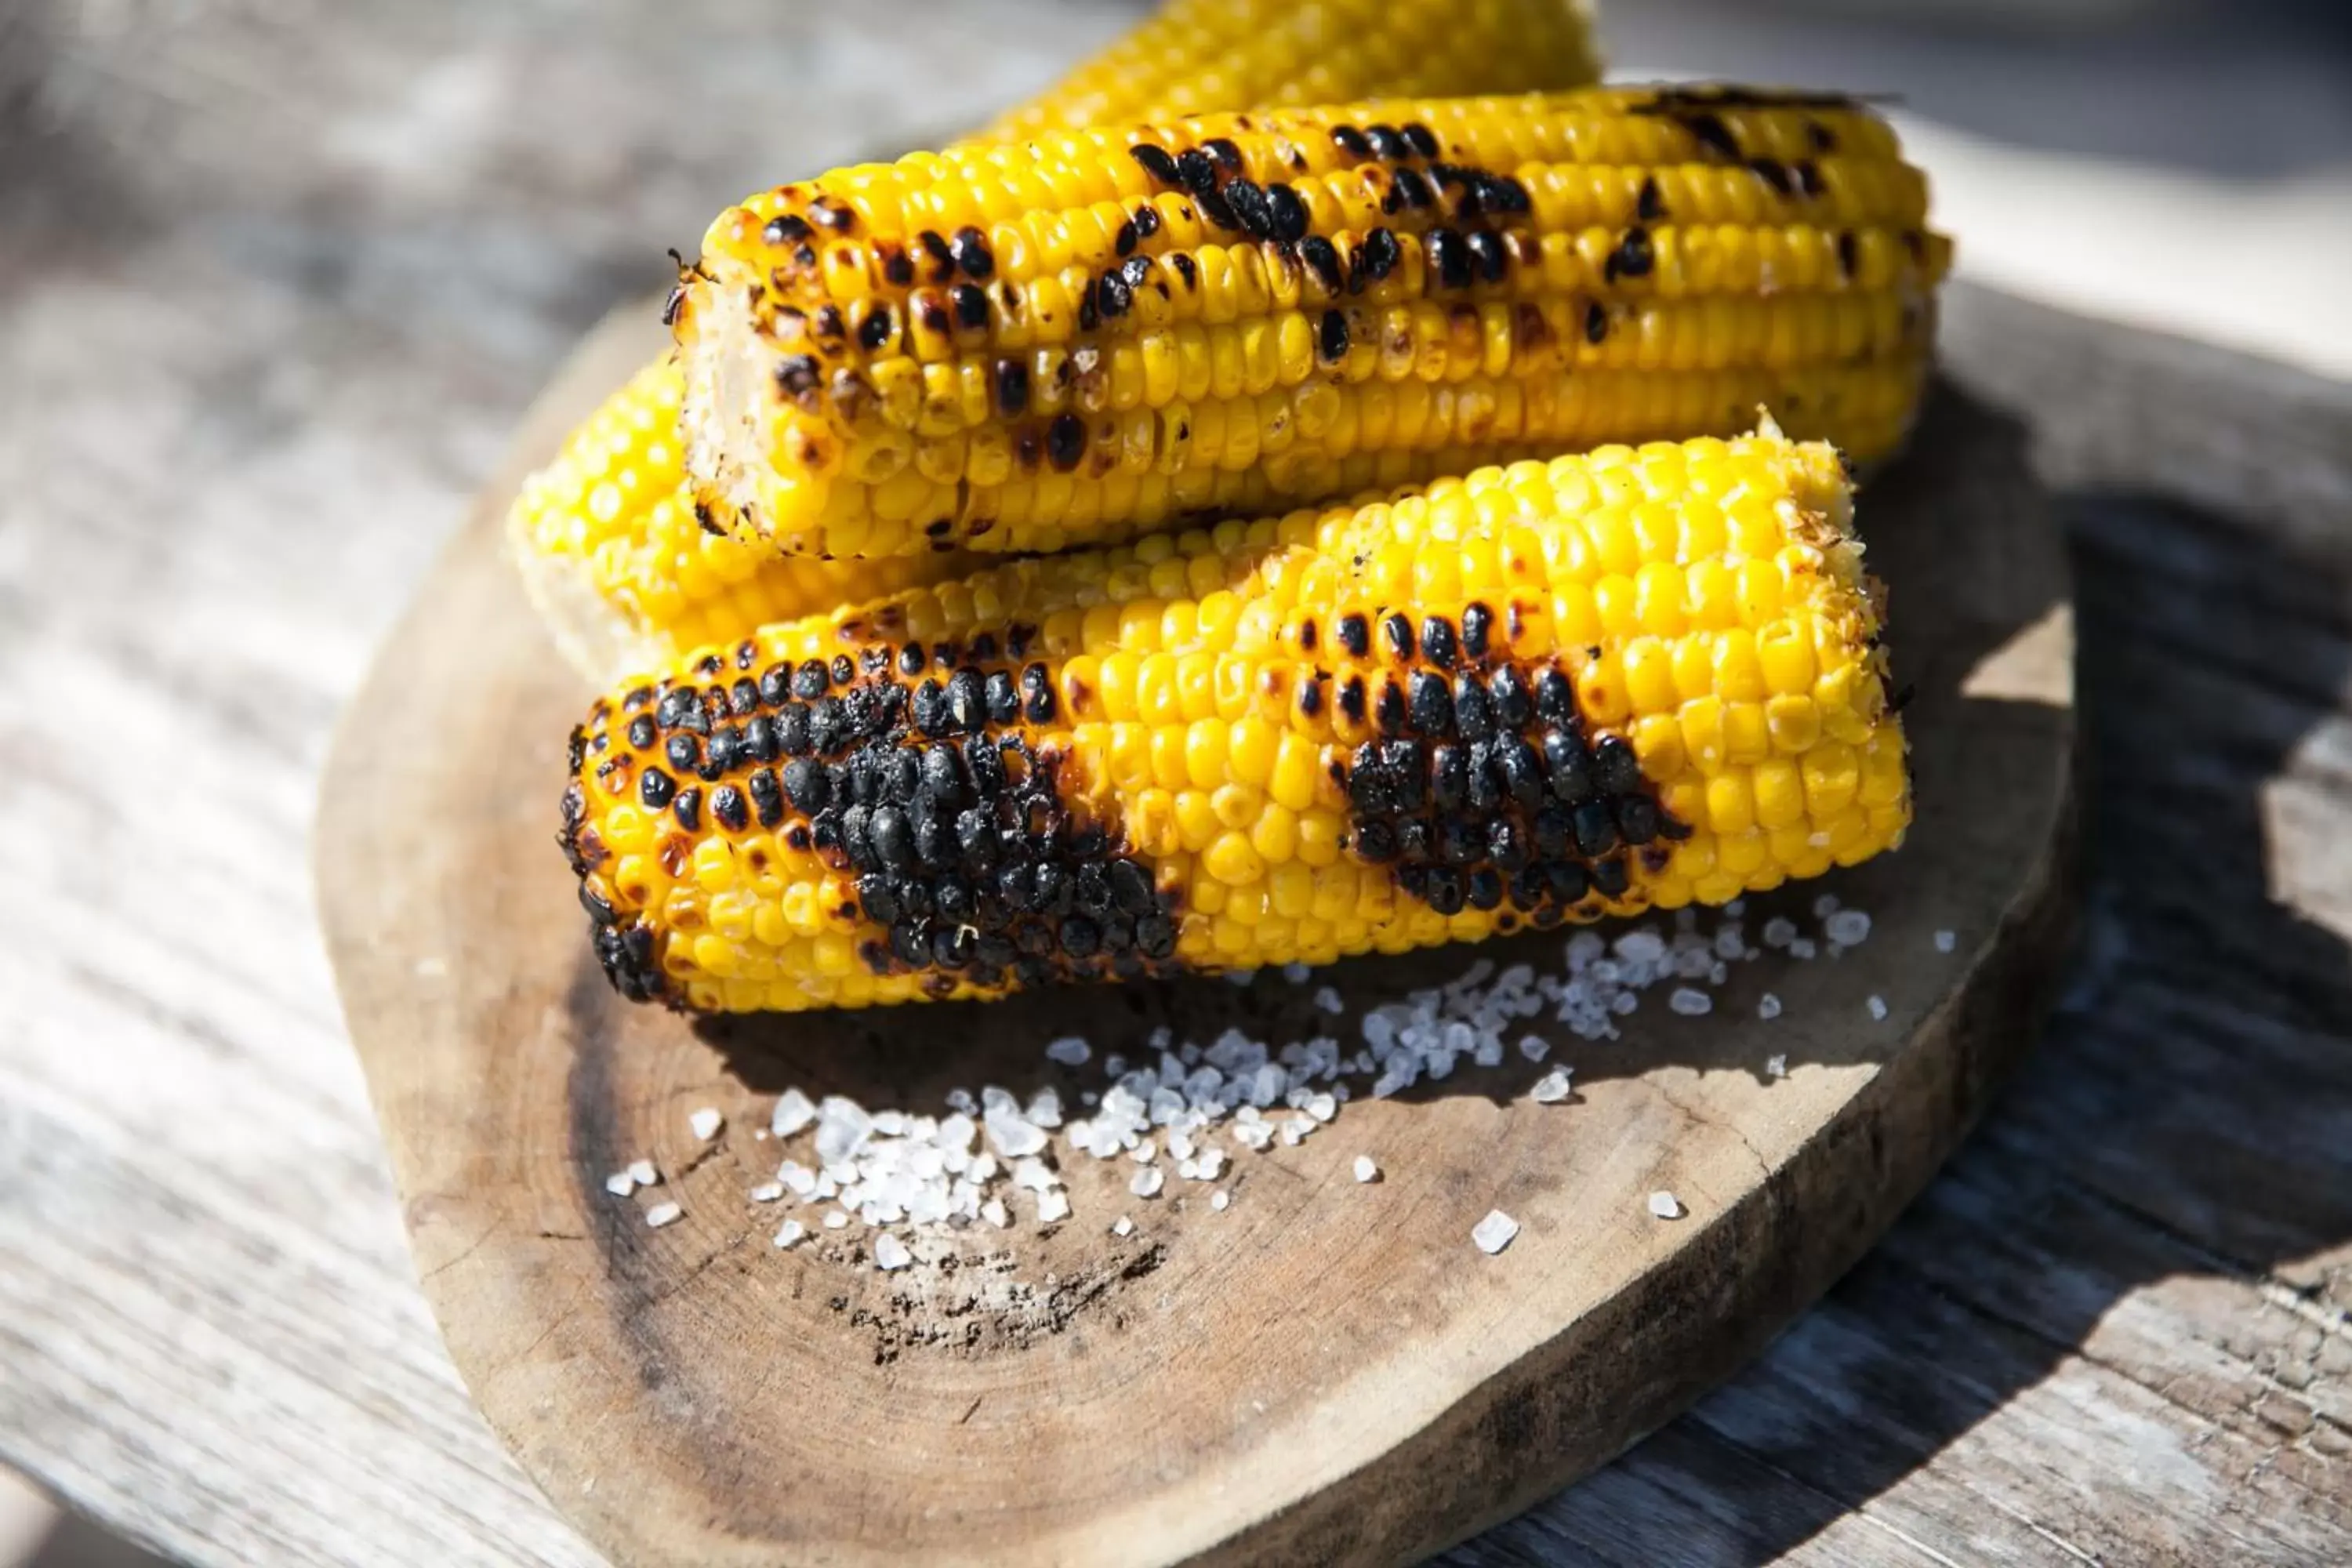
<point x="1636" y="679"/>
<point x="1200" y="56"/>
<point x="1089" y="335"/>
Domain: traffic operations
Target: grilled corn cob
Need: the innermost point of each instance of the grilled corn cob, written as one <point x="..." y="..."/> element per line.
<point x="1076" y="340"/>
<point x="626" y="577"/>
<point x="607" y="538"/>
<point x="1636" y="679"/>
<point x="1199" y="56"/>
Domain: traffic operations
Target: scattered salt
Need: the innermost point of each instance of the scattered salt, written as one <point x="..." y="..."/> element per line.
<point x="994" y="1213"/>
<point x="620" y="1183"/>
<point x="642" y="1172"/>
<point x="1768" y="1006"/>
<point x="1690" y="1004"/>
<point x="837" y="1220"/>
<point x="1666" y="1206"/>
<point x="1122" y="1226"/>
<point x="1535" y="1047"/>
<point x="705" y="1123"/>
<point x="1366" y="1170"/>
<point x="889" y="1252"/>
<point x="1328" y="1001"/>
<point x="1780" y="932"/>
<point x="1053" y="1206"/>
<point x="1297" y="973"/>
<point x="661" y="1215"/>
<point x="1070" y="1050"/>
<point x="1776" y="1067"/>
<point x="1824" y="906"/>
<point x="1877" y="1006"/>
<point x="767" y="1191"/>
<point x="1495" y="1232"/>
<point x="1220" y="1200"/>
<point x="1147" y="1181"/>
<point x="790" y="1231"/>
<point x="1946" y="940"/>
<point x="1553" y="1087"/>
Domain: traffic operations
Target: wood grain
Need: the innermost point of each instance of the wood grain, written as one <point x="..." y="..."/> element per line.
<point x="1324" y="1371"/>
<point x="242" y="400"/>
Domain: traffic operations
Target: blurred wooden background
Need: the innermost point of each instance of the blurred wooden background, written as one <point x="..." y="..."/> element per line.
<point x="276" y="278"/>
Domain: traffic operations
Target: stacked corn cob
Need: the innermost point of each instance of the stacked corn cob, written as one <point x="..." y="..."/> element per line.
<point x="1082" y="338"/>
<point x="1546" y="692"/>
<point x="606" y="537"/>
<point x="1543" y="692"/>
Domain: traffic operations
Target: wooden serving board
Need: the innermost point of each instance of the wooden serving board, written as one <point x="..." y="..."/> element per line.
<point x="1324" y="1371"/>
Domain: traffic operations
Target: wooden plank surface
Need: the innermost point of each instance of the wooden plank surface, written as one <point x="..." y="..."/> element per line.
<point x="277" y="282"/>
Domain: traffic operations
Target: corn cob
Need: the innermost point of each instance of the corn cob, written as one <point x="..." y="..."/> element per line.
<point x="1635" y="678"/>
<point x="1077" y="339"/>
<point x="626" y="577"/>
<point x="606" y="539"/>
<point x="1199" y="56"/>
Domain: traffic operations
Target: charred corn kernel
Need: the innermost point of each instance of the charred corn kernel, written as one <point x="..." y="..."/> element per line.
<point x="1342" y="294"/>
<point x="624" y="574"/>
<point x="972" y="808"/>
<point x="1194" y="57"/>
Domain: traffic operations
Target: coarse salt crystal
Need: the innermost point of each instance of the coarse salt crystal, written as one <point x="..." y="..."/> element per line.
<point x="1122" y="1226"/>
<point x="620" y="1183"/>
<point x="1848" y="928"/>
<point x="790" y="1231"/>
<point x="1220" y="1200"/>
<point x="661" y="1215"/>
<point x="705" y="1123"/>
<point x="792" y="1112"/>
<point x="1147" y="1181"/>
<point x="1366" y="1170"/>
<point x="1776" y="1067"/>
<point x="1780" y="932"/>
<point x="1328" y="1000"/>
<point x="1070" y="1050"/>
<point x="767" y="1191"/>
<point x="1825" y="906"/>
<point x="1689" y="1002"/>
<point x="1877" y="1006"/>
<point x="838" y="1219"/>
<point x="1802" y="948"/>
<point x="1946" y="940"/>
<point x="1535" y="1047"/>
<point x="993" y="1212"/>
<point x="642" y="1172"/>
<point x="889" y="1252"/>
<point x="1666" y="1206"/>
<point x="1145" y="1152"/>
<point x="1495" y="1232"/>
<point x="1297" y="973"/>
<point x="1053" y="1205"/>
<point x="1768" y="1006"/>
<point x="1553" y="1087"/>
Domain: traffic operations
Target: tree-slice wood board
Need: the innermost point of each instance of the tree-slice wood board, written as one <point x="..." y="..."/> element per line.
<point x="1325" y="1371"/>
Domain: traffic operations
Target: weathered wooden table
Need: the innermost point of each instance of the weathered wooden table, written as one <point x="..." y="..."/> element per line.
<point x="274" y="283"/>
